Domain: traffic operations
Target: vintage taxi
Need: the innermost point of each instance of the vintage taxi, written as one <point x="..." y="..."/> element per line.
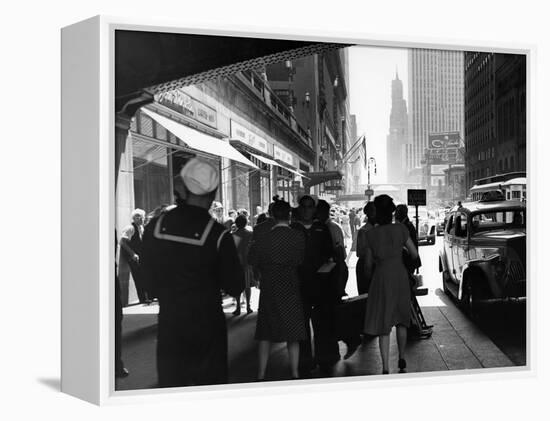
<point x="483" y="258"/>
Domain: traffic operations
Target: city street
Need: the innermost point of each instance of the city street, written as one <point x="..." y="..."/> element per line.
<point x="456" y="344"/>
<point x="504" y="324"/>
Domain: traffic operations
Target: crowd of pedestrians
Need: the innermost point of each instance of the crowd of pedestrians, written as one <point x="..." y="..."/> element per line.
<point x="189" y="252"/>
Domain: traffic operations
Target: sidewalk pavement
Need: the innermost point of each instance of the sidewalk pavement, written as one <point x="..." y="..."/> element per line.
<point x="456" y="344"/>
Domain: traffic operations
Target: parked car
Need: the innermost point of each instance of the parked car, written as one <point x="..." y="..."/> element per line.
<point x="483" y="258"/>
<point x="426" y="224"/>
<point x="440" y="222"/>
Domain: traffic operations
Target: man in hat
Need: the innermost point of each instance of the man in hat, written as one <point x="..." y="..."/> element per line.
<point x="188" y="258"/>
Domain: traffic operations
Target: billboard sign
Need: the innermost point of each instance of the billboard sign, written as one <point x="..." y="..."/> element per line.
<point x="444" y="140"/>
<point x="438" y="169"/>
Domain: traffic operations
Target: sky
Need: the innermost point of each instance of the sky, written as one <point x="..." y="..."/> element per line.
<point x="371" y="70"/>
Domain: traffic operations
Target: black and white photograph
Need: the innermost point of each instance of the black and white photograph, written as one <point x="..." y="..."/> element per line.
<point x="294" y="211"/>
<point x="275" y="210"/>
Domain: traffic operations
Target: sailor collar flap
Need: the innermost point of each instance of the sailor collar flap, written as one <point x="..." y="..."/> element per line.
<point x="161" y="232"/>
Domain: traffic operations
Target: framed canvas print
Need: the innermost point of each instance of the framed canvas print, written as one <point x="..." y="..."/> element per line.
<point x="244" y="211"/>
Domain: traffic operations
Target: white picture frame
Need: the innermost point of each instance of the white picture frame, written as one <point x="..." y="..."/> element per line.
<point x="88" y="195"/>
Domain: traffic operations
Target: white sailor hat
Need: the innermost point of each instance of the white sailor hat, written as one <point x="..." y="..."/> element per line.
<point x="199" y="176"/>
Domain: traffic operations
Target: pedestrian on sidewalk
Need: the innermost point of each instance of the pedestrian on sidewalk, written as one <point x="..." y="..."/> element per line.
<point x="317" y="288"/>
<point x="362" y="281"/>
<point x="389" y="292"/>
<point x="120" y="369"/>
<point x="242" y="238"/>
<point x="130" y="250"/>
<point x="340" y="273"/>
<point x="259" y="230"/>
<point x="345" y="225"/>
<point x="280" y="312"/>
<point x="188" y="258"/>
<point x="401" y="216"/>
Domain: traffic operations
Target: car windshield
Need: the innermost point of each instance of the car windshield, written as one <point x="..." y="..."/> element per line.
<point x="497" y="220"/>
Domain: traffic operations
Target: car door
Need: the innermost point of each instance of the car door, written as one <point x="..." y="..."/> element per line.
<point x="460" y="249"/>
<point x="448" y="243"/>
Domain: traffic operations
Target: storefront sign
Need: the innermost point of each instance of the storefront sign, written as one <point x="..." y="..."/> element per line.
<point x="205" y="114"/>
<point x="186" y="105"/>
<point x="244" y="135"/>
<point x="332" y="188"/>
<point x="282" y="155"/>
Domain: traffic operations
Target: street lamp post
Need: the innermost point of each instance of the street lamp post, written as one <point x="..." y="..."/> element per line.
<point x="370" y="161"/>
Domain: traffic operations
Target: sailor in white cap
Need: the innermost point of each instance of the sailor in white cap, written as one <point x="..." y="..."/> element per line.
<point x="188" y="258"/>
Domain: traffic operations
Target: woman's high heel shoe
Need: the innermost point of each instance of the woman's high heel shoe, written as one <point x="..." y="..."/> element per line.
<point x="402" y="364"/>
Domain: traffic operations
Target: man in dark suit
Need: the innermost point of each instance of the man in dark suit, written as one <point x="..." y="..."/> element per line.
<point x="319" y="290"/>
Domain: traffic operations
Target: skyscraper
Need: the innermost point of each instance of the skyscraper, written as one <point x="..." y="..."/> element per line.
<point x="398" y="135"/>
<point x="436" y="98"/>
<point x="495" y="104"/>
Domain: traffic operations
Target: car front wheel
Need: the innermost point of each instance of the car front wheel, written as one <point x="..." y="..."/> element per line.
<point x="470" y="300"/>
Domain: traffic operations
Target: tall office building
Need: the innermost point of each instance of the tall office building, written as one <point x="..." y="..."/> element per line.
<point x="397" y="137"/>
<point x="436" y="98"/>
<point x="495" y="120"/>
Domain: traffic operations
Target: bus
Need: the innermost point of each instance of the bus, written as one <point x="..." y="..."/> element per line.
<point x="513" y="186"/>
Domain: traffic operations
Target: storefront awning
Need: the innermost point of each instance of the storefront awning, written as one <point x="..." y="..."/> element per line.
<point x="321" y="177"/>
<point x="273" y="162"/>
<point x="264" y="159"/>
<point x="199" y="141"/>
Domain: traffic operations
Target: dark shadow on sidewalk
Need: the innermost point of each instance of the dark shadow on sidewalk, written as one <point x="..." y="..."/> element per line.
<point x="52" y="383"/>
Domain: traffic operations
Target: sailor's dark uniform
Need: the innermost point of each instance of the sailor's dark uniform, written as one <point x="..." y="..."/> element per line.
<point x="187" y="259"/>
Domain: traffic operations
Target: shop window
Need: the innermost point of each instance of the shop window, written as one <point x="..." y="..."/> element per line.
<point x="146" y="125"/>
<point x="161" y="132"/>
<point x="152" y="186"/>
<point x="240" y="187"/>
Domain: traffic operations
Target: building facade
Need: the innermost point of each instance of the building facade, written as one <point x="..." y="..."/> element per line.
<point x="436" y="101"/>
<point x="287" y="125"/>
<point x="495" y="117"/>
<point x="397" y="138"/>
<point x="315" y="89"/>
